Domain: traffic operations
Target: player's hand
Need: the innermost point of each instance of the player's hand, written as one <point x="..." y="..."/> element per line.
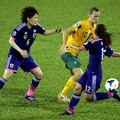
<point x="24" y="53"/>
<point x="59" y="30"/>
<point x="62" y="49"/>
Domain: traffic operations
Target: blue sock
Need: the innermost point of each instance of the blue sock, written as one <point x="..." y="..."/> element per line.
<point x="73" y="102"/>
<point x="2" y="82"/>
<point x="35" y="82"/>
<point x="33" y="86"/>
<point x="100" y="96"/>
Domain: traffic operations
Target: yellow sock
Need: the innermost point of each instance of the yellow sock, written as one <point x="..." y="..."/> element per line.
<point x="69" y="85"/>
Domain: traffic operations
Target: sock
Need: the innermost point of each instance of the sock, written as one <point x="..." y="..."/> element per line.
<point x="69" y="85"/>
<point x="33" y="86"/>
<point x="73" y="102"/>
<point x="2" y="82"/>
<point x="101" y="96"/>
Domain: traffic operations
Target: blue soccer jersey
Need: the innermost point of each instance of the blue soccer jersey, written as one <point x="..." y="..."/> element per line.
<point x="97" y="51"/>
<point x="24" y="37"/>
<point x="91" y="79"/>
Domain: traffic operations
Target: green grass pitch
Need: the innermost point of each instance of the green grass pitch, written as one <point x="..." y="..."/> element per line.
<point x="53" y="13"/>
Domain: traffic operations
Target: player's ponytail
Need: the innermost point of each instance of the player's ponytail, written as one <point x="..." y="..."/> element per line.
<point x="102" y="33"/>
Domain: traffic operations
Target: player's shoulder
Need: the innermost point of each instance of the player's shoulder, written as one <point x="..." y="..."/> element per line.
<point x="96" y="40"/>
<point x="20" y="26"/>
<point x="84" y="21"/>
<point x="38" y="25"/>
<point x="80" y="23"/>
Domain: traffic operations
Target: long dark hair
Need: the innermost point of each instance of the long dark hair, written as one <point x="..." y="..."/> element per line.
<point x="28" y="12"/>
<point x="102" y="33"/>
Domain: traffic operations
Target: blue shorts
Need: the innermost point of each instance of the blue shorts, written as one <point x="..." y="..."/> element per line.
<point x="90" y="81"/>
<point x="26" y="64"/>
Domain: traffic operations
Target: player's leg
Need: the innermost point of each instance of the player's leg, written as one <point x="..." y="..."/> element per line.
<point x="7" y="74"/>
<point x="92" y="86"/>
<point x="11" y="67"/>
<point x="77" y="72"/>
<point x="73" y="64"/>
<point x="74" y="100"/>
<point x="77" y="94"/>
<point x="34" y="83"/>
<point x="70" y="84"/>
<point x="35" y="80"/>
<point x="101" y="96"/>
<point x="29" y="65"/>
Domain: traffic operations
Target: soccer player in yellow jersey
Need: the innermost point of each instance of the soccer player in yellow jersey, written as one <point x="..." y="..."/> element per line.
<point x="76" y="35"/>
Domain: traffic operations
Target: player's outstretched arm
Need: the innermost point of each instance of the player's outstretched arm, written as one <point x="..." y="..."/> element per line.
<point x="51" y="31"/>
<point x="116" y="54"/>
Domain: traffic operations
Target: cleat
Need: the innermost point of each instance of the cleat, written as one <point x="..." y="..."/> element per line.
<point x="30" y="98"/>
<point x="67" y="113"/>
<point x="116" y="96"/>
<point x="63" y="98"/>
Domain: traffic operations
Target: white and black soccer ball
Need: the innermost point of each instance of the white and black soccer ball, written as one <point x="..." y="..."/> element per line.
<point x="112" y="84"/>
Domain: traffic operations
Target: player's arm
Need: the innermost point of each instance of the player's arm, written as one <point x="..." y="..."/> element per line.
<point x="77" y="48"/>
<point x="86" y="46"/>
<point x="66" y="33"/>
<point x="51" y="31"/>
<point x="15" y="46"/>
<point x="116" y="54"/>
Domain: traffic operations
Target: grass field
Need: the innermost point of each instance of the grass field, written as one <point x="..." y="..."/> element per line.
<point x="53" y="13"/>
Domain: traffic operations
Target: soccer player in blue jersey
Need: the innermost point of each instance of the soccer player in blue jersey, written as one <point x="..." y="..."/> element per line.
<point x="21" y="40"/>
<point x="92" y="77"/>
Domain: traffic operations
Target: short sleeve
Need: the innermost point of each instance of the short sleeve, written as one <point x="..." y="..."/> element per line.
<point x="77" y="25"/>
<point x="40" y="29"/>
<point x="14" y="33"/>
<point x="87" y="45"/>
<point x="108" y="51"/>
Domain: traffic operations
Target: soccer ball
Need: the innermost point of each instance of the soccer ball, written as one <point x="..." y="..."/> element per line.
<point x="112" y="84"/>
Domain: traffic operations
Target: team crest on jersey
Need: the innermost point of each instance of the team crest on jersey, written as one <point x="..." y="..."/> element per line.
<point x="11" y="65"/>
<point x="75" y="62"/>
<point x="34" y="34"/>
<point x="25" y="36"/>
<point x="78" y="24"/>
<point x="14" y="33"/>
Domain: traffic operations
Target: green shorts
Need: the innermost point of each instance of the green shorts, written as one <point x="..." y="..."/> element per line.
<point x="70" y="60"/>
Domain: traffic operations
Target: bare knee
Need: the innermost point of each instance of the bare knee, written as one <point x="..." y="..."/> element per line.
<point x="78" y="89"/>
<point x="39" y="76"/>
<point x="7" y="74"/>
<point x="37" y="73"/>
<point x="77" y="73"/>
<point x="88" y="97"/>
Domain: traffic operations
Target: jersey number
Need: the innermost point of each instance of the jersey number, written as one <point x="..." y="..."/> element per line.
<point x="87" y="89"/>
<point x="84" y="34"/>
<point x="28" y="41"/>
<point x="103" y="51"/>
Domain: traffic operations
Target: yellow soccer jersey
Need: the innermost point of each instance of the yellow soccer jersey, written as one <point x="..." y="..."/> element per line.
<point x="83" y="31"/>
